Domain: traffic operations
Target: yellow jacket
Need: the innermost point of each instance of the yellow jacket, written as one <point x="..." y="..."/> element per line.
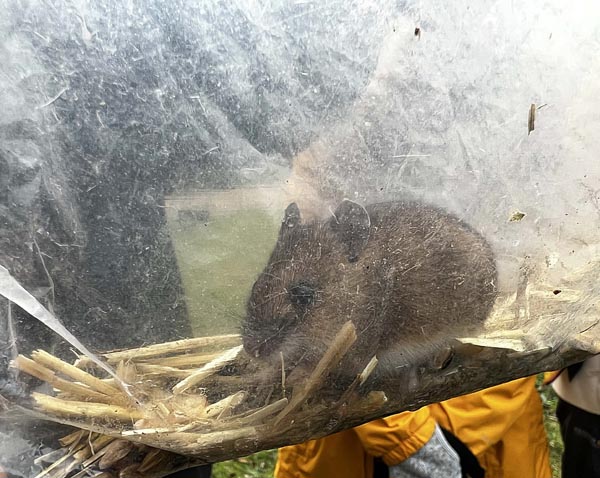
<point x="502" y="425"/>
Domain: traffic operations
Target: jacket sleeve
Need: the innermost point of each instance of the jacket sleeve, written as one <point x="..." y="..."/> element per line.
<point x="397" y="437"/>
<point x="481" y="419"/>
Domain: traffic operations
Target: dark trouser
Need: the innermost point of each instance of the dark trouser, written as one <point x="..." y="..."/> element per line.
<point x="580" y="432"/>
<point x="196" y="472"/>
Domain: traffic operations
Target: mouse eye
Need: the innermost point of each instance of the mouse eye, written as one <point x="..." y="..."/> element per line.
<point x="302" y="293"/>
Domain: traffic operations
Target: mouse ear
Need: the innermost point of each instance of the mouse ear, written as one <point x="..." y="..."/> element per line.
<point x="352" y="225"/>
<point x="291" y="217"/>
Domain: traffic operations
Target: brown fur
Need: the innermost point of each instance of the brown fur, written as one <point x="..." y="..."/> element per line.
<point x="409" y="276"/>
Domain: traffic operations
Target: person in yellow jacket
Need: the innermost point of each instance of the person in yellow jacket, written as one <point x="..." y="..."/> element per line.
<point x="502" y="426"/>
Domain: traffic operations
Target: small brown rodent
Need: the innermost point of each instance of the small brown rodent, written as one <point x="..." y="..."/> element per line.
<point x="408" y="275"/>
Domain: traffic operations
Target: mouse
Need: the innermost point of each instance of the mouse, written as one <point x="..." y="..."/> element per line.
<point x="410" y="276"/>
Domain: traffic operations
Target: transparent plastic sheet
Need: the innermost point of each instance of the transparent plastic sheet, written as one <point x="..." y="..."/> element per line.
<point x="442" y="160"/>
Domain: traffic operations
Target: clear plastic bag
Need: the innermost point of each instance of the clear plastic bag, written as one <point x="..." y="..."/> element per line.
<point x="226" y="228"/>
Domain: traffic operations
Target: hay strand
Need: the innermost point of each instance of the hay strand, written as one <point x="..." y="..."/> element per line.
<point x="85" y="410"/>
<point x="207" y="370"/>
<point x="338" y="348"/>
<point x="54" y="363"/>
<point x="167" y="348"/>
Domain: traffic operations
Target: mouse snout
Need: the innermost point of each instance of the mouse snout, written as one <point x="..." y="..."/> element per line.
<point x="258" y="349"/>
<point x="262" y="342"/>
<point x="252" y="345"/>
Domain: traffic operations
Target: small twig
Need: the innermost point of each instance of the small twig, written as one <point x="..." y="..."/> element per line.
<point x="46" y="39"/>
<point x="12" y="335"/>
<point x="85" y="410"/>
<point x="52" y="100"/>
<point x="215" y="148"/>
<point x="264" y="412"/>
<point x="203" y="440"/>
<point x="37" y="370"/>
<point x="153" y="459"/>
<point x="163" y="430"/>
<point x="87" y="451"/>
<point x="588" y="328"/>
<point x="222" y="407"/>
<point x="54" y="465"/>
<point x="197" y="97"/>
<point x="207" y="370"/>
<point x="85" y="473"/>
<point x="181" y="361"/>
<point x="358" y="381"/>
<point x="115" y="451"/>
<point x="54" y="363"/>
<point x="72" y="438"/>
<point x="531" y="119"/>
<point x="99" y="121"/>
<point x="50" y="457"/>
<point x="397" y="156"/>
<point x="152" y="456"/>
<point x="338" y="348"/>
<point x="160" y="371"/>
<point x="366" y="373"/>
<point x="166" y="348"/>
<point x="282" y="374"/>
<point x="50" y="281"/>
